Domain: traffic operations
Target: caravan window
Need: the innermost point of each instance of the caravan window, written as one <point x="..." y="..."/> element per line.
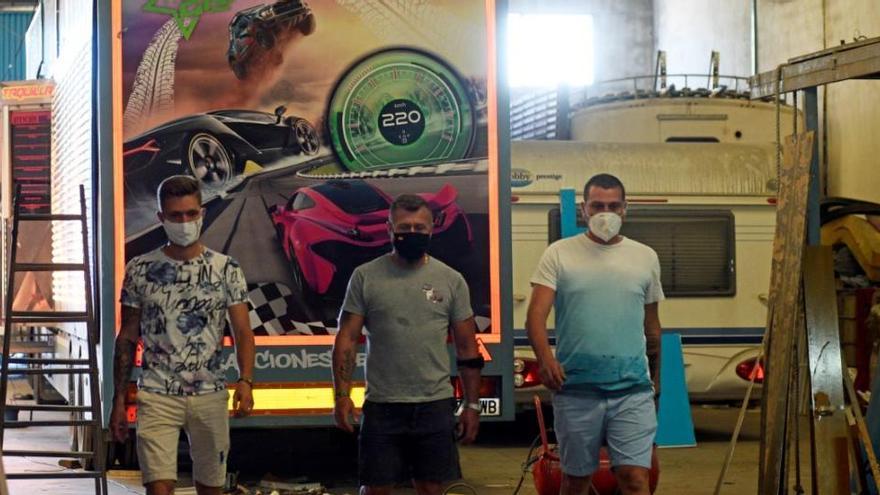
<point x="696" y="247"/>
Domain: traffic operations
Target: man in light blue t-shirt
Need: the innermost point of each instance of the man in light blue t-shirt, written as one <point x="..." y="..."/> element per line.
<point x="605" y="373"/>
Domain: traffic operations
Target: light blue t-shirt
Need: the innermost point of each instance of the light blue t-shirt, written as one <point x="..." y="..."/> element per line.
<point x="601" y="293"/>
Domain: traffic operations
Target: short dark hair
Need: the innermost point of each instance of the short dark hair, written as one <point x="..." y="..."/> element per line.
<point x="409" y="202"/>
<point x="605" y="181"/>
<point x="178" y="186"/>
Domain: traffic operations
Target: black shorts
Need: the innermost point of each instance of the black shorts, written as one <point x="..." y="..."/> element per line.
<point x="400" y="442"/>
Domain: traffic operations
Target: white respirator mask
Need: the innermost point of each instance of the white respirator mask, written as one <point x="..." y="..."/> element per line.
<point x="185" y="233"/>
<point x="605" y="225"/>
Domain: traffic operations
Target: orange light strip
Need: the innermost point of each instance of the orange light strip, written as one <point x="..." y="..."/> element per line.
<point x="116" y="104"/>
<point x="494" y="224"/>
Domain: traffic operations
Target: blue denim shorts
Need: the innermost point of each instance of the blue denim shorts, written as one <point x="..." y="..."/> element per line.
<point x="585" y="421"/>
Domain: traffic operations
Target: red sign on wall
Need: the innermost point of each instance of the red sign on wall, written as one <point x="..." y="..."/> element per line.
<point x="31" y="151"/>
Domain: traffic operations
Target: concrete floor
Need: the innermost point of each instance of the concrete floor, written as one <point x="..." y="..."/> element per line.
<point x="492" y="466"/>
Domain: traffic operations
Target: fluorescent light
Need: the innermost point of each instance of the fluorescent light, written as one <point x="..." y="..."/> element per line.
<point x="547" y="50"/>
<point x="297" y="398"/>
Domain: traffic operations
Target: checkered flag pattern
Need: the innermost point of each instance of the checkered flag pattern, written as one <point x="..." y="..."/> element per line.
<point x="267" y="310"/>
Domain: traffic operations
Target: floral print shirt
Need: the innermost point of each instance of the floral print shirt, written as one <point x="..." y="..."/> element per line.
<point x="183" y="313"/>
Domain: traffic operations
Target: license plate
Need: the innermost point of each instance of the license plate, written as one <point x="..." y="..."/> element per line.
<point x="490" y="406"/>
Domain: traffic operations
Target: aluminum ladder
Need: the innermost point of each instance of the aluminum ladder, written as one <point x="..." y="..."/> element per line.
<point x="45" y="366"/>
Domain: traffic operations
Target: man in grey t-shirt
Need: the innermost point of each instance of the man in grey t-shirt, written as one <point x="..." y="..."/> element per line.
<point x="407" y="301"/>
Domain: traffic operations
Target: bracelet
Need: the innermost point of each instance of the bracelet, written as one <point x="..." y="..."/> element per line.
<point x="249" y="381"/>
<point x="470" y="405"/>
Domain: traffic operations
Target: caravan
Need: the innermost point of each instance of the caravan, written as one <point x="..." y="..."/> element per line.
<point x="700" y="174"/>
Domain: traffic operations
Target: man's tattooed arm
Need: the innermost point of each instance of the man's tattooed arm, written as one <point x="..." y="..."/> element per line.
<point x="345" y="353"/>
<point x="124" y="353"/>
<point x="342" y="372"/>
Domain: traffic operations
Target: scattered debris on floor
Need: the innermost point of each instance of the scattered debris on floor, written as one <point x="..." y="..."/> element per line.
<point x="271" y="485"/>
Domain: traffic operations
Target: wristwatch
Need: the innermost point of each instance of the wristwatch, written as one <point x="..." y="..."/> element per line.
<point x="246" y="380"/>
<point x="470" y="405"/>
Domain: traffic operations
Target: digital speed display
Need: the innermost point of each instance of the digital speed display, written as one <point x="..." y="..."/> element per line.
<point x="400" y="107"/>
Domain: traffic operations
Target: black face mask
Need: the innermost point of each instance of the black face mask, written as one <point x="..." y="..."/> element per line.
<point x="411" y="246"/>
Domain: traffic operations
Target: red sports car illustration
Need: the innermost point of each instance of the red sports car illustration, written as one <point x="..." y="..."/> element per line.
<point x="329" y="229"/>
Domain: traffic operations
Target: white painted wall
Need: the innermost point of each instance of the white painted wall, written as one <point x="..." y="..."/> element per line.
<point x="787" y="29"/>
<point x="33" y="45"/>
<point x="690" y="30"/>
<point x="791" y="28"/>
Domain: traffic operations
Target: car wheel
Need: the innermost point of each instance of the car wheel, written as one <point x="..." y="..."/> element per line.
<point x="307" y="25"/>
<point x="306" y="136"/>
<point x="208" y="160"/>
<point x="309" y="297"/>
<point x="265" y="38"/>
<point x="279" y="232"/>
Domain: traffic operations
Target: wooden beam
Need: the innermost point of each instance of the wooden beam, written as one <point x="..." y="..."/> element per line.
<point x="826" y="372"/>
<point x="785" y="299"/>
<point x="851" y="61"/>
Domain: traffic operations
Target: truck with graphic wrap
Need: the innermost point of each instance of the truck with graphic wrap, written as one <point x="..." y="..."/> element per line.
<point x="300" y="138"/>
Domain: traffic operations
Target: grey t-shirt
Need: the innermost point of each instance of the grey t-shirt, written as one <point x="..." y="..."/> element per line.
<point x="407" y="313"/>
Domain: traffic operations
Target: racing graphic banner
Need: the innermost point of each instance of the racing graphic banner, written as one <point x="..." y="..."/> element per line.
<point x="302" y="121"/>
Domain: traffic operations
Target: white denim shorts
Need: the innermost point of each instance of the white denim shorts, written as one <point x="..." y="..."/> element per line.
<point x="585" y="421"/>
<point x="205" y="418"/>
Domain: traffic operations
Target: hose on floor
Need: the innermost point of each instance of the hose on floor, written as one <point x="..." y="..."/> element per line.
<point x="531" y="459"/>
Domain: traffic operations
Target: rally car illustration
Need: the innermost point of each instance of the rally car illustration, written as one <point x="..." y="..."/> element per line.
<point x="214" y="146"/>
<point x="256" y="30"/>
<point x="329" y="229"/>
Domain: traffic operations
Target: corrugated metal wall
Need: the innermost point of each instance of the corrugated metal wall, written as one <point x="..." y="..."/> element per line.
<point x="71" y="164"/>
<point x="13" y="27"/>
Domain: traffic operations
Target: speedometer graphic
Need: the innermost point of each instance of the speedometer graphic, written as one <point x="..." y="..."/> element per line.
<point x="400" y="107"/>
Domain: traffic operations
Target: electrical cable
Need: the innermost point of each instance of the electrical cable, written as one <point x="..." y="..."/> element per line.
<point x="530" y="460"/>
<point x="462" y="484"/>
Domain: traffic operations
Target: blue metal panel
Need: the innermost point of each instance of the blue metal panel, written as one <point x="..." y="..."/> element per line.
<point x="13" y="27"/>
<point x="811" y="106"/>
<point x="505" y="350"/>
<point x="105" y="236"/>
<point x="568" y="213"/>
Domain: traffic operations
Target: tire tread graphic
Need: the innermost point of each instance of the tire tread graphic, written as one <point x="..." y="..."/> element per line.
<point x="153" y="88"/>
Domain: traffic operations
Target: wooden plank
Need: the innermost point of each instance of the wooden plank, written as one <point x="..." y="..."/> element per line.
<point x="4" y="489"/>
<point x="785" y="297"/>
<point x="862" y="429"/>
<point x="826" y="372"/>
<point x="851" y="61"/>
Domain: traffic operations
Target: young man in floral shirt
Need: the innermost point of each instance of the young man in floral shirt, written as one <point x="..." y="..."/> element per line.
<point x="176" y="299"/>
